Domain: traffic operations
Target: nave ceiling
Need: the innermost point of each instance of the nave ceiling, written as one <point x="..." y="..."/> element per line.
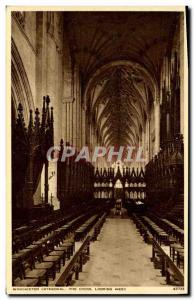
<point x="132" y="45"/>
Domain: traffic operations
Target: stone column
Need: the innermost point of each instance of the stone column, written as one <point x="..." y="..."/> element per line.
<point x="68" y="123"/>
<point x="46" y="185"/>
<point x="41" y="67"/>
<point x="74" y="112"/>
<point x="64" y="122"/>
<point x="157" y="124"/>
<point x="79" y="117"/>
<point x="83" y="127"/>
<point x="148" y="138"/>
<point x="183" y="74"/>
<point x="53" y="87"/>
<point x="168" y="125"/>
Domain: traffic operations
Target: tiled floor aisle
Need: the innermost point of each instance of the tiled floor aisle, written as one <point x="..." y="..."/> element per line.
<point x="120" y="258"/>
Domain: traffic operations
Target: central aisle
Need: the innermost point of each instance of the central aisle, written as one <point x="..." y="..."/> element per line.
<point x="120" y="258"/>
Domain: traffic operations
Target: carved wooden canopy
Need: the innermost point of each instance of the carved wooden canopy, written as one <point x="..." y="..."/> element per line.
<point x="127" y="175"/>
<point x="29" y="146"/>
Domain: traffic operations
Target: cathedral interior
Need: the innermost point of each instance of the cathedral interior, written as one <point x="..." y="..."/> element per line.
<point x="111" y="80"/>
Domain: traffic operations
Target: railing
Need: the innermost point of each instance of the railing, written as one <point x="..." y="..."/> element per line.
<point x="168" y="267"/>
<point x="75" y="265"/>
<point x="81" y="256"/>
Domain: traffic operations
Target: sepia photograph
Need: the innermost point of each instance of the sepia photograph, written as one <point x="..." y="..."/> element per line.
<point x="97" y="143"/>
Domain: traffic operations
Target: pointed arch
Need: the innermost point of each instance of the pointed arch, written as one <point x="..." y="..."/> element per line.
<point x="20" y="87"/>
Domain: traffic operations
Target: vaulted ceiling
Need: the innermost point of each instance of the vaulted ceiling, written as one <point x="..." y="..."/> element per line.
<point x="119" y="101"/>
<point x="119" y="96"/>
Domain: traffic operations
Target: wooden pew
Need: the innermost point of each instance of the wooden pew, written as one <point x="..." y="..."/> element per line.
<point x="25" y="235"/>
<point x="82" y="255"/>
<point x="142" y="228"/>
<point x="98" y="226"/>
<point x="18" y="278"/>
<point x="75" y="265"/>
<point x="158" y="233"/>
<point x="82" y="231"/>
<point x="168" y="267"/>
<point x="44" y="255"/>
<point x="175" y="230"/>
<point x="25" y="270"/>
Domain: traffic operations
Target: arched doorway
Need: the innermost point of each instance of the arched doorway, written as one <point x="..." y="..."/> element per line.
<point x="118" y="189"/>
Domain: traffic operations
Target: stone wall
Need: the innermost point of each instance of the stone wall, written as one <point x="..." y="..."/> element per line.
<point x="43" y="64"/>
<point x="42" y="43"/>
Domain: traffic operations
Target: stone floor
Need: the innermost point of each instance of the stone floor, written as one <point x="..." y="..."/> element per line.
<point x="120" y="258"/>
